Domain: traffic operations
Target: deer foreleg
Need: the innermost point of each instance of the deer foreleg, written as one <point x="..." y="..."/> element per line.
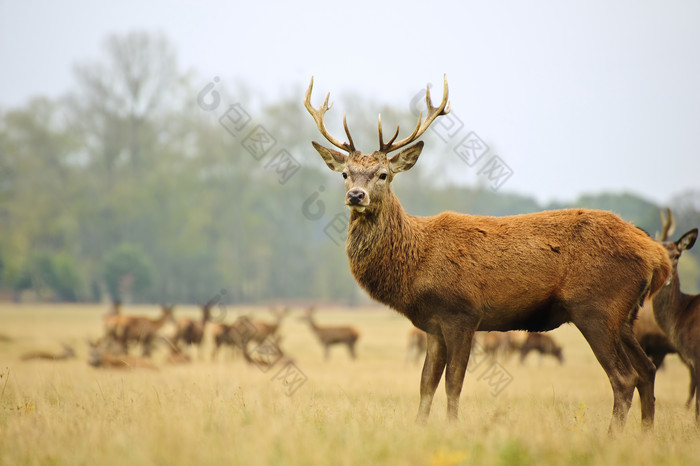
<point x="435" y="360"/>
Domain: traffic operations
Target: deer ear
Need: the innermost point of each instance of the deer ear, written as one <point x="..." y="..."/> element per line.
<point x="687" y="241"/>
<point x="334" y="159"/>
<point x="406" y="159"/>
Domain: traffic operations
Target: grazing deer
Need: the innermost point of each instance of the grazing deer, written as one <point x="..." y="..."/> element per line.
<point x="68" y="353"/>
<point x="678" y="315"/>
<point x="452" y="274"/>
<point x="329" y="336"/>
<point x="500" y="344"/>
<point x="191" y="331"/>
<point x="543" y="344"/>
<point x="141" y="329"/>
<point x="102" y="356"/>
<point x="417" y="343"/>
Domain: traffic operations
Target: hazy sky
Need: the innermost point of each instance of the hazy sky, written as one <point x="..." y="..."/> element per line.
<point x="573" y="99"/>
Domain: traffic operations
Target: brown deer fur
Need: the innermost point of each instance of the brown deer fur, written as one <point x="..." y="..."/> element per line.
<point x="452" y="274"/>
<point x="543" y="344"/>
<point x="678" y="315"/>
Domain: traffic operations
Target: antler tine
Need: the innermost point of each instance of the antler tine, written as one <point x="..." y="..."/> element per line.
<point x="668" y="225"/>
<point x="318" y="114"/>
<point x="422" y="126"/>
<point x="382" y="145"/>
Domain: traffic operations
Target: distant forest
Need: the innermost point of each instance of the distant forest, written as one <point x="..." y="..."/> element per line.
<point x="148" y="184"/>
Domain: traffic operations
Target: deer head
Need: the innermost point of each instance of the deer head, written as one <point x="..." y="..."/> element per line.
<point x="368" y="176"/>
<point x="676" y="248"/>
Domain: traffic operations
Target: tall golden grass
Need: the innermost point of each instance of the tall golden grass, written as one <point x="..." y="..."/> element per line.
<point x="344" y="412"/>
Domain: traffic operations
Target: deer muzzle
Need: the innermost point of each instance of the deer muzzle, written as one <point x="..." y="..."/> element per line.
<point x="357" y="199"/>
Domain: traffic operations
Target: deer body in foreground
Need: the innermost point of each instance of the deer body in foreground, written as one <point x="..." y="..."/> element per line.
<point x="678" y="315"/>
<point x="543" y="344"/>
<point x="452" y="274"/>
<point x="329" y="336"/>
<point x="140" y="329"/>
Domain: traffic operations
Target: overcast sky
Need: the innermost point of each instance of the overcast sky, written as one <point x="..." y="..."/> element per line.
<point x="601" y="96"/>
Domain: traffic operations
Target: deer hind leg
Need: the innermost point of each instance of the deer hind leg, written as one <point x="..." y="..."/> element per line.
<point x="610" y="352"/>
<point x="646" y="371"/>
<point x="351" y="348"/>
<point x="434" y="366"/>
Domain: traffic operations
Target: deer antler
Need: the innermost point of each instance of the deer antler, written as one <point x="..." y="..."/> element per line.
<point x="433" y="112"/>
<point x="318" y="118"/>
<point x="668" y="225"/>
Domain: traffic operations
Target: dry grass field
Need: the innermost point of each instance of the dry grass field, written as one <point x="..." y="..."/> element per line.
<point x="315" y="412"/>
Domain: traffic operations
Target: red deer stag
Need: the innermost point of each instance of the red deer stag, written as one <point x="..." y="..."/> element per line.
<point x="140" y="329"/>
<point x="329" y="336"/>
<point x="543" y="344"/>
<point x="452" y="274"/>
<point x="678" y="314"/>
<point x="191" y="331"/>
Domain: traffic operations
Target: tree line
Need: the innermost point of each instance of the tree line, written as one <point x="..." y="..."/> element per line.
<point x="149" y="184"/>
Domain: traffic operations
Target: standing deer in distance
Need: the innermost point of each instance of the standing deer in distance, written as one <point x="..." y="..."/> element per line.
<point x="262" y="330"/>
<point x="191" y="331"/>
<point x="451" y="274"/>
<point x="329" y="336"/>
<point x="140" y="329"/>
<point x="543" y="344"/>
<point x="678" y="315"/>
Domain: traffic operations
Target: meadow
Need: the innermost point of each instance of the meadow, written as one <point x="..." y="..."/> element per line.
<point x="315" y="412"/>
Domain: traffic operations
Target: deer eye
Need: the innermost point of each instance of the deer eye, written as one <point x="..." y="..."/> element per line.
<point x="345" y="175"/>
<point x="382" y="176"/>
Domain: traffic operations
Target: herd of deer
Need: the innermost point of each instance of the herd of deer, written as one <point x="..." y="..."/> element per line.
<point x="452" y="273"/>
<point x="122" y="331"/>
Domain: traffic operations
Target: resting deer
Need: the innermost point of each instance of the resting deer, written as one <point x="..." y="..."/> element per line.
<point x="452" y="274"/>
<point x="329" y="336"/>
<point x="191" y="331"/>
<point x="678" y="315"/>
<point x="102" y="356"/>
<point x="68" y="353"/>
<point x="141" y="329"/>
<point x="543" y="344"/>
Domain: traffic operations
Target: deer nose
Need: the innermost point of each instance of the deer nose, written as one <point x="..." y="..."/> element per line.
<point x="355" y="196"/>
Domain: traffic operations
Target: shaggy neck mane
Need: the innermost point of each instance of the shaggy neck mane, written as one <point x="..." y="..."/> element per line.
<point x="383" y="250"/>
